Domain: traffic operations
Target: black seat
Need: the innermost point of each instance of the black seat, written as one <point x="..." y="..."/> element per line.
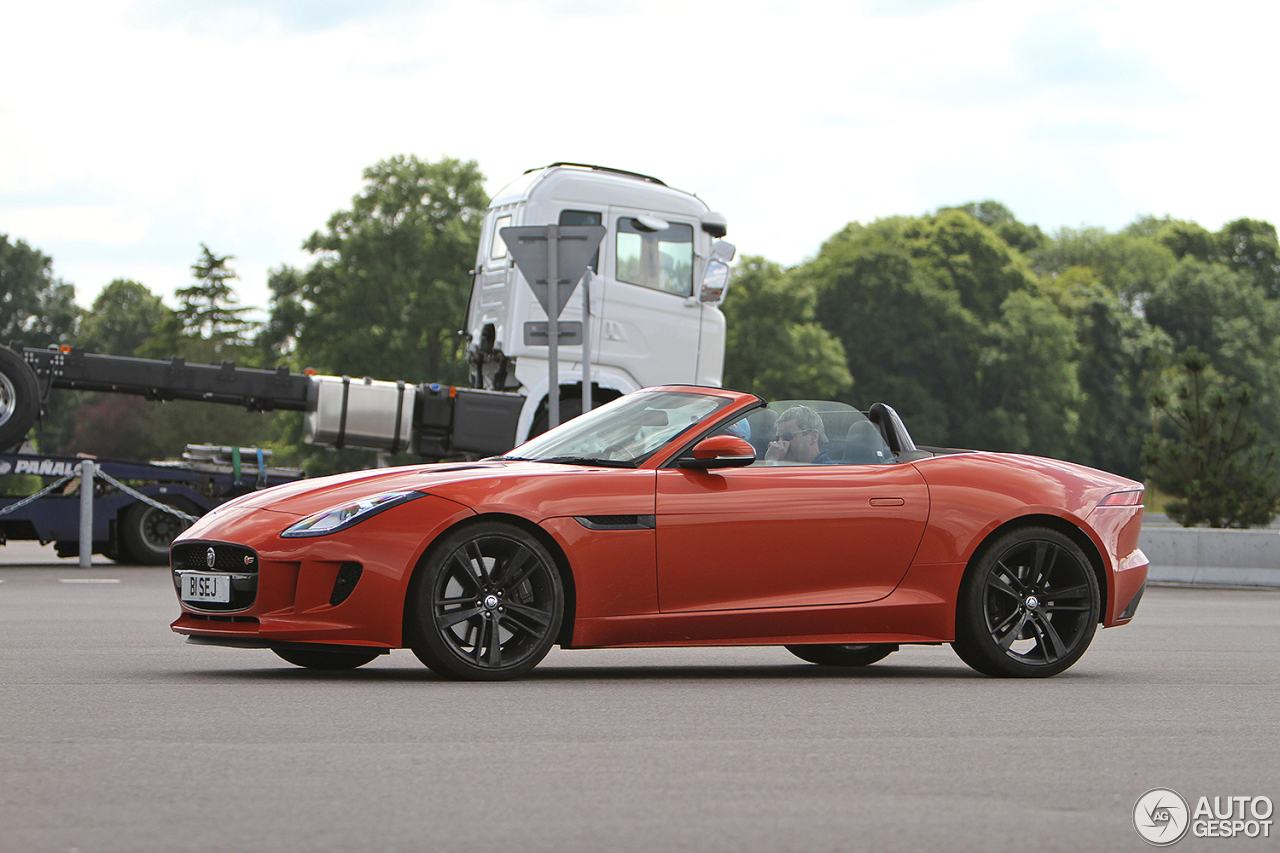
<point x="865" y="446"/>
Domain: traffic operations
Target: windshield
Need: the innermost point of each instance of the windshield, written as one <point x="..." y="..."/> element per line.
<point x="622" y="433"/>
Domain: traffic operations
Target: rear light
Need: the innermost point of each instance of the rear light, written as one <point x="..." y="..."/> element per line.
<point x="1129" y="498"/>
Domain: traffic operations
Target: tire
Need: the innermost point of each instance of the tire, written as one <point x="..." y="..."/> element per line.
<point x="1028" y="606"/>
<point x="146" y="532"/>
<point x="844" y="655"/>
<point x="486" y="605"/>
<point x="570" y="408"/>
<point x="19" y="398"/>
<point x="327" y="660"/>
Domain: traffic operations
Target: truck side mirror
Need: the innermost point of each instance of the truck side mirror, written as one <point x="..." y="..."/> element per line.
<point x="715" y="276"/>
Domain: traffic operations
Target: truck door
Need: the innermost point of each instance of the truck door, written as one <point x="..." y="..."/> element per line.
<point x="651" y="322"/>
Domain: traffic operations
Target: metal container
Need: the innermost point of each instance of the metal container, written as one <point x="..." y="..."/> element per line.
<point x="346" y="412"/>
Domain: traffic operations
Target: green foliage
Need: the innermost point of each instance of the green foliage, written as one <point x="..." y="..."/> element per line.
<point x="1119" y="358"/>
<point x="1129" y="264"/>
<point x="1249" y="246"/>
<point x="35" y="308"/>
<point x="1187" y="240"/>
<point x="124" y="315"/>
<point x="943" y="320"/>
<point x="1218" y="312"/>
<point x="208" y="307"/>
<point x="1031" y="395"/>
<point x="388" y="291"/>
<point x="777" y="350"/>
<point x="1206" y="451"/>
<point x="1017" y="235"/>
<point x="208" y="327"/>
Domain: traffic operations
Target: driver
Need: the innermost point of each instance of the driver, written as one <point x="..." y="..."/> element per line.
<point x="800" y="437"/>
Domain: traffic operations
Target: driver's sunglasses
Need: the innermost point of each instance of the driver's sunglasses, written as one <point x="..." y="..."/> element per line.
<point x="788" y="436"/>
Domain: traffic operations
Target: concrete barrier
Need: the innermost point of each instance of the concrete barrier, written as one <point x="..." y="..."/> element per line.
<point x="1204" y="557"/>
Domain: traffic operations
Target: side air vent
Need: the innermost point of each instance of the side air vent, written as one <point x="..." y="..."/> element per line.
<point x="348" y="576"/>
<point x="617" y="522"/>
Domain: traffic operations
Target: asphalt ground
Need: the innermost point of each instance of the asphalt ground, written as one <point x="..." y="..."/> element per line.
<point x="117" y="736"/>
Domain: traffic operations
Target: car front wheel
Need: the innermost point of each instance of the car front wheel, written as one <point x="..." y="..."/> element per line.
<point x="486" y="605"/>
<point x="1028" y="607"/>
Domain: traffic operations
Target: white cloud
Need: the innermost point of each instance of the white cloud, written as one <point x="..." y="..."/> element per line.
<point x="133" y="131"/>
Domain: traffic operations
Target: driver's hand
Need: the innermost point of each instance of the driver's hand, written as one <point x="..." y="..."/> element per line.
<point x="777" y="449"/>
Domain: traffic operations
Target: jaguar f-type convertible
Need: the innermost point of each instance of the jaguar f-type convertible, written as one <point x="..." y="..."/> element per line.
<point x="677" y="516"/>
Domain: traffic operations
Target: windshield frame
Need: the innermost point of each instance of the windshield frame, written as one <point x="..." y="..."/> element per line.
<point x="625" y="433"/>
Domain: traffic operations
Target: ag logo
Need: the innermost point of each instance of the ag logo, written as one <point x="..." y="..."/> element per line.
<point x="1161" y="816"/>
<point x="209" y="558"/>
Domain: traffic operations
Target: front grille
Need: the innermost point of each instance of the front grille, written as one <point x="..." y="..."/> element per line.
<point x="239" y="562"/>
<point x="226" y="558"/>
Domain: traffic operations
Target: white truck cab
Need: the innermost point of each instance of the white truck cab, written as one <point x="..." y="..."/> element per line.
<point x="654" y="288"/>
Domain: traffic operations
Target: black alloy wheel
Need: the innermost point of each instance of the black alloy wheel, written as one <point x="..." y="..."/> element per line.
<point x="486" y="605"/>
<point x="323" y="659"/>
<point x="862" y="654"/>
<point x="1028" y="607"/>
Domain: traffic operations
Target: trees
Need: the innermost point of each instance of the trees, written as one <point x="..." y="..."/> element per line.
<point x="1207" y="452"/>
<point x="777" y="348"/>
<point x="387" y="293"/>
<point x="35" y="308"/>
<point x="1118" y="360"/>
<point x="209" y="325"/>
<point x="1218" y="312"/>
<point x="1130" y="264"/>
<point x="942" y="319"/>
<point x="124" y="315"/>
<point x="208" y="308"/>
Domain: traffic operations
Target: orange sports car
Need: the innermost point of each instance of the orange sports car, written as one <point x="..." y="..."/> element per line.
<point x="677" y="516"/>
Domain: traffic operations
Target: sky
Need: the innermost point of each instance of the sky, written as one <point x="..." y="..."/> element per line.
<point x="132" y="131"/>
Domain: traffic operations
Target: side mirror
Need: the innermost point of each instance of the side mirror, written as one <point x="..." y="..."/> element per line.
<point x="719" y="451"/>
<point x="715" y="276"/>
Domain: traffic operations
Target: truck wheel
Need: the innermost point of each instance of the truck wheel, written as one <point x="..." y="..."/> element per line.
<point x="19" y="398"/>
<point x="570" y="408"/>
<point x="146" y="532"/>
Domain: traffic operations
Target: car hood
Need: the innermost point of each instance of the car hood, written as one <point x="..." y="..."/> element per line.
<point x="456" y="481"/>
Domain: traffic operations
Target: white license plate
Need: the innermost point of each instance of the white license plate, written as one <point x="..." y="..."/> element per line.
<point x="215" y="588"/>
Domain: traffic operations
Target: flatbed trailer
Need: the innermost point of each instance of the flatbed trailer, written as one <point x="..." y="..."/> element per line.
<point x="125" y="528"/>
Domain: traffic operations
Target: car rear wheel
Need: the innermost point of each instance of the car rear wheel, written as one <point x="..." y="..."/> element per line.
<point x="1028" y="607"/>
<point x="324" y="659"/>
<point x="486" y="605"/>
<point x="844" y="655"/>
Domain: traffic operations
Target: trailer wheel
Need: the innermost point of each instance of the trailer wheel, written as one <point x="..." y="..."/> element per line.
<point x="19" y="398"/>
<point x="146" y="532"/>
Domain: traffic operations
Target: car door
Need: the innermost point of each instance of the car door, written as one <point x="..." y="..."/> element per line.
<point x="785" y="536"/>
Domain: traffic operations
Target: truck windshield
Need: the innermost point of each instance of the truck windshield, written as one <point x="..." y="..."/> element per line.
<point x="622" y="433"/>
<point x="659" y="260"/>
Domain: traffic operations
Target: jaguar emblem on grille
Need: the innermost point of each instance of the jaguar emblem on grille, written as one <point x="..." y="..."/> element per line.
<point x="209" y="558"/>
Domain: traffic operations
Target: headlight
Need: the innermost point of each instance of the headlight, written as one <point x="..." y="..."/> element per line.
<point x="347" y="515"/>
